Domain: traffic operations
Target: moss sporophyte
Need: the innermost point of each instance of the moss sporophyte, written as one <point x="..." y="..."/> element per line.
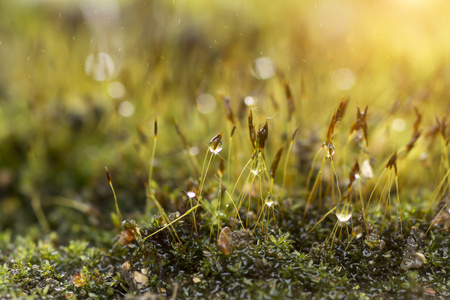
<point x="295" y="151"/>
<point x="253" y="238"/>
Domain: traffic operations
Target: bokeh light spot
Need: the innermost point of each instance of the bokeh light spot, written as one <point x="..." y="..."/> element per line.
<point x="126" y="109"/>
<point x="206" y="103"/>
<point x="99" y="66"/>
<point x="264" y="68"/>
<point x="343" y="79"/>
<point x="398" y="125"/>
<point x="116" y="89"/>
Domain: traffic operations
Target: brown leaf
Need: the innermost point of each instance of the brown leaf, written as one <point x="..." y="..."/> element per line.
<point x="224" y="241"/>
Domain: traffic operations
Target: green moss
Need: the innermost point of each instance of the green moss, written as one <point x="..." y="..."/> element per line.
<point x="59" y="127"/>
<point x="272" y="266"/>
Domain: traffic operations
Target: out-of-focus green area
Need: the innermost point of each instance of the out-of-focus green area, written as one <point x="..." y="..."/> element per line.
<point x="82" y="81"/>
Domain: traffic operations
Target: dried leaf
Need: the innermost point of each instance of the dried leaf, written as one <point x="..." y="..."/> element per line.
<point x="140" y="278"/>
<point x="224" y="241"/>
<point x="126" y="237"/>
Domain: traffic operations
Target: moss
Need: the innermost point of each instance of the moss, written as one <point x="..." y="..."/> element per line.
<point x="274" y="265"/>
<point x="281" y="167"/>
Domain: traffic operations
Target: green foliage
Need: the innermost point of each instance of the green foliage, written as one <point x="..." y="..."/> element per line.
<point x="268" y="78"/>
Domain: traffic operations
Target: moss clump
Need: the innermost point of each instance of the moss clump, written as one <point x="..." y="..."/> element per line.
<point x="294" y="196"/>
<point x="274" y="264"/>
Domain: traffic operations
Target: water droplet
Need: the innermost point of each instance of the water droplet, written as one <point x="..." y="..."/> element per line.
<point x="257" y="171"/>
<point x="216" y="144"/>
<point x="258" y="165"/>
<point x="344" y="211"/>
<point x="190" y="195"/>
<point x="269" y="201"/>
<point x="329" y="147"/>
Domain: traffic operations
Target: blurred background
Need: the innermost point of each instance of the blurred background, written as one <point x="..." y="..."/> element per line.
<point x="82" y="81"/>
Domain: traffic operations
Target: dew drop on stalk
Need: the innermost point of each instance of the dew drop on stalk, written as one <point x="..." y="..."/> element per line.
<point x="258" y="165"/>
<point x="191" y="195"/>
<point x="269" y="201"/>
<point x="344" y="211"/>
<point x="258" y="170"/>
<point x="215" y="147"/>
<point x="329" y="147"/>
<point x="224" y="241"/>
